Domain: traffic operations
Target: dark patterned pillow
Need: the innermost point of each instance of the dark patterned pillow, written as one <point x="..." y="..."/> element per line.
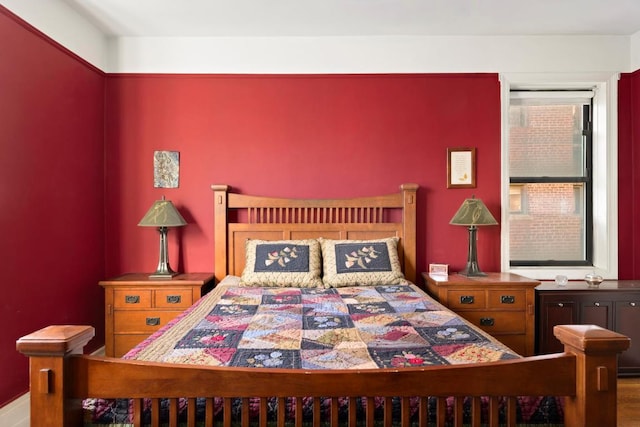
<point x="282" y="263"/>
<point x="361" y="262"/>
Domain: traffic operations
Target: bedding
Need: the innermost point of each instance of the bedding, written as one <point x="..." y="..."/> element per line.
<point x="361" y="262"/>
<point x="282" y="263"/>
<point x="356" y="327"/>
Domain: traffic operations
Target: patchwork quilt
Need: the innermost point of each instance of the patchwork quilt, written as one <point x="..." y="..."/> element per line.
<point x="317" y="328"/>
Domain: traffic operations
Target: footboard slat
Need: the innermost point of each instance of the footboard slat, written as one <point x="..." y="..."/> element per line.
<point x="494" y="410"/>
<point x="441" y="411"/>
<point x="511" y="411"/>
<point x="209" y="411"/>
<point x="191" y="412"/>
<point x="423" y="414"/>
<point x="244" y="417"/>
<point x="316" y="412"/>
<point x="388" y="411"/>
<point x="458" y="411"/>
<point x="263" y="412"/>
<point x="173" y="412"/>
<point x="353" y="412"/>
<point x="370" y="411"/>
<point x="405" y="407"/>
<point x="282" y="411"/>
<point x="476" y="411"/>
<point x="226" y="412"/>
<point x="299" y="412"/>
<point x="334" y="411"/>
<point x="137" y="412"/>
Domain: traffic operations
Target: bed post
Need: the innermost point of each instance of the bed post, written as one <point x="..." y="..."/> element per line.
<point x="221" y="262"/>
<point x="596" y="350"/>
<point x="409" y="232"/>
<point x="48" y="350"/>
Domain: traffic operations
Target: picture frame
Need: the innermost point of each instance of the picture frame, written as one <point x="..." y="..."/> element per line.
<point x="166" y="169"/>
<point x="439" y="269"/>
<point x="461" y="167"/>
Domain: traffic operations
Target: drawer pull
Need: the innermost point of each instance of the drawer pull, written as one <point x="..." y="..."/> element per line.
<point x="487" y="321"/>
<point x="153" y="321"/>
<point x="632" y="304"/>
<point x="597" y="304"/>
<point x="466" y="299"/>
<point x="132" y="299"/>
<point x="174" y="299"/>
<point x="507" y="299"/>
<point x="560" y="304"/>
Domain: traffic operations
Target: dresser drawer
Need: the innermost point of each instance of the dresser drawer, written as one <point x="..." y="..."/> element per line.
<point x="173" y="298"/>
<point x="466" y="299"/>
<point x="495" y="321"/>
<point x="141" y="321"/>
<point x="507" y="299"/>
<point x="134" y="299"/>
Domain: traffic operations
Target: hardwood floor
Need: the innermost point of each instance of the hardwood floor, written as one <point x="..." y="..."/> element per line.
<point x="628" y="402"/>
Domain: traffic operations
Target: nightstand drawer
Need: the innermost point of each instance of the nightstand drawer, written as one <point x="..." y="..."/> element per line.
<point x="141" y="321"/>
<point x="516" y="342"/>
<point x="495" y="321"/>
<point x="173" y="298"/>
<point x="508" y="299"/>
<point x="124" y="343"/>
<point x="134" y="299"/>
<point x="466" y="299"/>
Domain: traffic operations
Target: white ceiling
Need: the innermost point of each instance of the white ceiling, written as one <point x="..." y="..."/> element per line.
<point x="269" y="18"/>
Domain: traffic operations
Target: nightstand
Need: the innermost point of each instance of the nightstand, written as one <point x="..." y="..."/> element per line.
<point x="135" y="306"/>
<point x="502" y="304"/>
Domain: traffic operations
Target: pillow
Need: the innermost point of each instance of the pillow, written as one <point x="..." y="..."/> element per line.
<point x="361" y="262"/>
<point x="282" y="263"/>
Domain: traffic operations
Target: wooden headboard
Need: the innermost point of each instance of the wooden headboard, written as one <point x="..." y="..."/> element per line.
<point x="238" y="217"/>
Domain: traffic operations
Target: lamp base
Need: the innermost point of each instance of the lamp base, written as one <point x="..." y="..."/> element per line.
<point x="472" y="270"/>
<point x="163" y="276"/>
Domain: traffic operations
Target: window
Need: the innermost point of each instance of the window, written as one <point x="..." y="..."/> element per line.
<point x="550" y="162"/>
<point x="559" y="169"/>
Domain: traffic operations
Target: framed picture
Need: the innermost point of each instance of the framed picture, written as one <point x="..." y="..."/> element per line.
<point x="166" y="169"/>
<point x="461" y="167"/>
<point x="441" y="269"/>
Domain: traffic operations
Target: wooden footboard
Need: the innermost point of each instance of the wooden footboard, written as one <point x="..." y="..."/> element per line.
<point x="585" y="373"/>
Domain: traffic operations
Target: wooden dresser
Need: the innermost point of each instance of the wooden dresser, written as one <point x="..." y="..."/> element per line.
<point x="502" y="304"/>
<point x="614" y="305"/>
<point x="136" y="306"/>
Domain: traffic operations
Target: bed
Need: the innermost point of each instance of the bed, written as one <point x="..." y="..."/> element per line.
<point x="492" y="390"/>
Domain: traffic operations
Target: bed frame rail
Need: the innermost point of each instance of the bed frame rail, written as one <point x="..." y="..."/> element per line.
<point x="585" y="374"/>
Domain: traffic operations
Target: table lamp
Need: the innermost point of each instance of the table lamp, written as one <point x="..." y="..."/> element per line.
<point x="471" y="214"/>
<point x="163" y="214"/>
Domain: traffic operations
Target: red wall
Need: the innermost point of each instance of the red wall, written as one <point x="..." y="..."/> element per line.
<point x="75" y="183"/>
<point x="51" y="193"/>
<point x="307" y="136"/>
<point x="629" y="176"/>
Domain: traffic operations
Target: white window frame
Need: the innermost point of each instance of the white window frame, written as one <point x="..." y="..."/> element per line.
<point x="605" y="169"/>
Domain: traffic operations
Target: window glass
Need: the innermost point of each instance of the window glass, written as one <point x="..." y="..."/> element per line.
<point x="549" y="154"/>
<point x="552" y="228"/>
<point x="546" y="139"/>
